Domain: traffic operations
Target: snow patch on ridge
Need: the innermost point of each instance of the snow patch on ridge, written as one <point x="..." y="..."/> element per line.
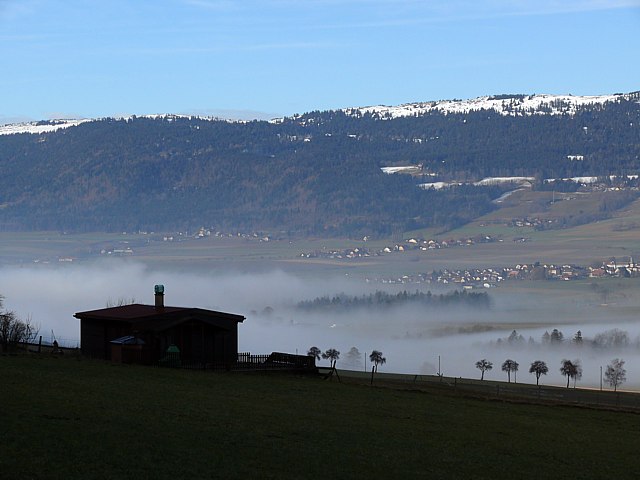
<point x="507" y="105"/>
<point x="516" y="105"/>
<point x="39" y="127"/>
<point x="48" y="126"/>
<point x="403" y="169"/>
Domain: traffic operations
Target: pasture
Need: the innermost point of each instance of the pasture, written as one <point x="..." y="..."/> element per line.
<point x="72" y="418"/>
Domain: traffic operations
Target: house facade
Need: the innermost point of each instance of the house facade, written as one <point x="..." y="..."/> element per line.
<point x="203" y="337"/>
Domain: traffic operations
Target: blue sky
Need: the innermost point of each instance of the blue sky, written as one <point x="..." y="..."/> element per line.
<point x="267" y="58"/>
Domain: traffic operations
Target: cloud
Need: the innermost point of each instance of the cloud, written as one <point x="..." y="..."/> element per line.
<point x="433" y="10"/>
<point x="218" y="5"/>
<point x="11" y="10"/>
<point x="230" y="47"/>
<point x="7" y="120"/>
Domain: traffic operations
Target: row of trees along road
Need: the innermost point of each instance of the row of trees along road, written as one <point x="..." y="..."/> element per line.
<point x="376" y="357"/>
<point x="615" y="374"/>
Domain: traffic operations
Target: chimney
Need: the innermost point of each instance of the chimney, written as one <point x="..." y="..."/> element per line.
<point x="159" y="291"/>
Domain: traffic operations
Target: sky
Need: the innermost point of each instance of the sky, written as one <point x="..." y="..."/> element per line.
<point x="271" y="58"/>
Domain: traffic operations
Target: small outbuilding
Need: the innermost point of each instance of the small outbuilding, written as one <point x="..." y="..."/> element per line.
<point x="139" y="333"/>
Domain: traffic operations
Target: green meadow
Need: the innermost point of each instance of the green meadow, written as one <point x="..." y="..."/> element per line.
<point x="71" y="418"/>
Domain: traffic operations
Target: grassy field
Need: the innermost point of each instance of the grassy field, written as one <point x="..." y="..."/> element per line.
<point x="68" y="418"/>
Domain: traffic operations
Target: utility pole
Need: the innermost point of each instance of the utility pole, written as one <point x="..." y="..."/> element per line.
<point x="600" y="377"/>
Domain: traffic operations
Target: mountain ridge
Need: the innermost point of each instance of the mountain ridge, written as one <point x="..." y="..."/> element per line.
<point x="504" y="104"/>
<point x="321" y="173"/>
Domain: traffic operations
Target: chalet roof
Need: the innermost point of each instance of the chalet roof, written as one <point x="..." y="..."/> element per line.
<point x="157" y="318"/>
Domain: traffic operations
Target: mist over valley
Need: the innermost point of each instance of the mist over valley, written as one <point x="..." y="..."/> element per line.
<point x="413" y="338"/>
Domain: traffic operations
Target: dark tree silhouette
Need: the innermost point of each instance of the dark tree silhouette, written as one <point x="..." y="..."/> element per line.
<point x="377" y="359"/>
<point x="539" y="368"/>
<point x="13" y="330"/>
<point x="484" y="365"/>
<point x="332" y="355"/>
<point x="571" y="370"/>
<point x="315" y="352"/>
<point x="510" y="366"/>
<point x="577" y="338"/>
<point x="556" y="337"/>
<point x="615" y="374"/>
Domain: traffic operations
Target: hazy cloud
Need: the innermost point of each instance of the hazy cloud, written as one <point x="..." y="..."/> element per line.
<point x="7" y="120"/>
<point x="412" y="339"/>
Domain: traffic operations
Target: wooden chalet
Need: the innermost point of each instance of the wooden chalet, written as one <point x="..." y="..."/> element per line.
<point x="144" y="334"/>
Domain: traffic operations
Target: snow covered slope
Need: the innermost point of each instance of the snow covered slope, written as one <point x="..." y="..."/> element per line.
<point x="513" y="105"/>
<point x="39" y="127"/>
<point x="47" y="126"/>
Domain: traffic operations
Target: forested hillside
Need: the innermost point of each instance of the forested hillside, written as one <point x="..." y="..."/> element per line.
<point x="318" y="173"/>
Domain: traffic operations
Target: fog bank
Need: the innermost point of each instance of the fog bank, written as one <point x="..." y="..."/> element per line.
<point x="411" y="338"/>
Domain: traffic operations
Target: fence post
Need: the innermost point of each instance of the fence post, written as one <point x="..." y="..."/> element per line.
<point x="40" y="344"/>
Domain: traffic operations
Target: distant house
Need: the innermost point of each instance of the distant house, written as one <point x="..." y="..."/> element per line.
<point x="203" y="337"/>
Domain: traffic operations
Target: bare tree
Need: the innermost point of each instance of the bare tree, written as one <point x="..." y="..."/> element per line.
<point x="539" y="368"/>
<point x="614" y="338"/>
<point x="484" y="365"/>
<point x="13" y="330"/>
<point x="377" y="359"/>
<point x="578" y="374"/>
<point x="120" y="302"/>
<point x="510" y="366"/>
<point x="315" y="352"/>
<point x="615" y="374"/>
<point x="354" y="358"/>
<point x="571" y="370"/>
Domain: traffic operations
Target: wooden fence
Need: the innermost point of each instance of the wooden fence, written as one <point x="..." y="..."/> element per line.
<point x="526" y="392"/>
<point x="245" y="361"/>
<point x="45" y="347"/>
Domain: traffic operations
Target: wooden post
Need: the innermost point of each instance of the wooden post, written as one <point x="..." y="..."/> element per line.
<point x="40" y="344"/>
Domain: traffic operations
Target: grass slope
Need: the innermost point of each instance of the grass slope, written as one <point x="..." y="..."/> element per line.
<point x="64" y="418"/>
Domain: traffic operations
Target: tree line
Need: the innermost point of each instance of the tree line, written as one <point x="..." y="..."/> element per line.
<point x="376" y="358"/>
<point x="611" y="338"/>
<point x="615" y="373"/>
<point x="381" y="299"/>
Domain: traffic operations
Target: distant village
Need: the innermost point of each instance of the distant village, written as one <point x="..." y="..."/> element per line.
<point x="472" y="278"/>
<point x="492" y="277"/>
<point x="405" y="246"/>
